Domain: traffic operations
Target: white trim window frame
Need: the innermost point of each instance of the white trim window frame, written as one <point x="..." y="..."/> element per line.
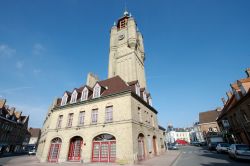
<point x="94" y="116"/>
<point x="97" y="91"/>
<point x="109" y="114"/>
<point x="150" y="101"/>
<point x="81" y="118"/>
<point x="70" y="120"/>
<point x="59" y="122"/>
<point x="64" y="99"/>
<point x="137" y="89"/>
<point x="73" y="97"/>
<point x="144" y="96"/>
<point x="85" y="92"/>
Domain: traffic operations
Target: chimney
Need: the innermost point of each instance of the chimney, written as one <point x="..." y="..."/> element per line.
<point x="91" y="79"/>
<point x="223" y="100"/>
<point x="229" y="95"/>
<point x="248" y="72"/>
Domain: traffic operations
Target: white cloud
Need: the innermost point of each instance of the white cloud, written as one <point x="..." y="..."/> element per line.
<point x="37" y="71"/>
<point x="38" y="49"/>
<point x="19" y="65"/>
<point x="6" y="51"/>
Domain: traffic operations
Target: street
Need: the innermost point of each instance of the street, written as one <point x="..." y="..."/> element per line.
<point x="200" y="156"/>
<point x="185" y="156"/>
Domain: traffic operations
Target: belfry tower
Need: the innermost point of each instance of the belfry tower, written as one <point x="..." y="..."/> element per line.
<point x="126" y="56"/>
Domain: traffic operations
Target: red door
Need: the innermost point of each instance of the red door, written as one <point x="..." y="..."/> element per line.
<point x="75" y="150"/>
<point x="104" y="151"/>
<point x="54" y="152"/>
<point x="96" y="152"/>
<point x="112" y="151"/>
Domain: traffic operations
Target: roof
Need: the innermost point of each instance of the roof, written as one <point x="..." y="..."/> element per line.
<point x="35" y="132"/>
<point x="244" y="80"/>
<point x="208" y="116"/>
<point x="162" y="128"/>
<point x="113" y="85"/>
<point x="235" y="86"/>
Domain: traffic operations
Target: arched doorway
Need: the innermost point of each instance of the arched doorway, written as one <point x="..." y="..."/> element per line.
<point x="75" y="149"/>
<point x="54" y="149"/>
<point x="154" y="145"/>
<point x="104" y="148"/>
<point x="141" y="149"/>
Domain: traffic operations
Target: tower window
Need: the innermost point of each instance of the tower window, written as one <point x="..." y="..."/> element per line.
<point x="123" y="23"/>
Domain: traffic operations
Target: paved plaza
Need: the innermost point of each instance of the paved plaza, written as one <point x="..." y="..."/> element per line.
<point x="165" y="159"/>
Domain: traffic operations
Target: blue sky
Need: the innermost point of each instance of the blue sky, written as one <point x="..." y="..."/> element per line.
<point x="194" y="50"/>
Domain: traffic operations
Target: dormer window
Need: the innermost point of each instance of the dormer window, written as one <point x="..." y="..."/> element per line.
<point x="150" y="101"/>
<point x="137" y="89"/>
<point x="144" y="96"/>
<point x="84" y="94"/>
<point x="73" y="97"/>
<point x="64" y="99"/>
<point x="97" y="91"/>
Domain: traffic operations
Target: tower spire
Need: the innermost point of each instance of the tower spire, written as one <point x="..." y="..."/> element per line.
<point x="125" y="8"/>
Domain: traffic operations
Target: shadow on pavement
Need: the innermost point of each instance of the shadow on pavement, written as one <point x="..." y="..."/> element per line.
<point x="230" y="161"/>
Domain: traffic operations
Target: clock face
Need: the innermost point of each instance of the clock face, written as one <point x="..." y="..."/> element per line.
<point x="120" y="37"/>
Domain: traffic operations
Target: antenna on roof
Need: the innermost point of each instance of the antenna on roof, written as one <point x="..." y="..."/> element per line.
<point x="125" y="8"/>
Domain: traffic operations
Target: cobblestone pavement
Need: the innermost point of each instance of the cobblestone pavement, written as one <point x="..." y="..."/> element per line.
<point x="165" y="159"/>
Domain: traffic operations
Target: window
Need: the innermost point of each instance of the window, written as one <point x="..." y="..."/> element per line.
<point x="144" y="96"/>
<point x="137" y="89"/>
<point x="139" y="114"/>
<point x="84" y="94"/>
<point x="73" y="97"/>
<point x="70" y="119"/>
<point x="109" y="114"/>
<point x="123" y="23"/>
<point x="64" y="99"/>
<point x="97" y="90"/>
<point x="94" y="116"/>
<point x="59" y="122"/>
<point x="81" y="117"/>
<point x="152" y="120"/>
<point x="150" y="101"/>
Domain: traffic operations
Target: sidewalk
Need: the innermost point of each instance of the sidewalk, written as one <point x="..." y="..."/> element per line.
<point x="166" y="159"/>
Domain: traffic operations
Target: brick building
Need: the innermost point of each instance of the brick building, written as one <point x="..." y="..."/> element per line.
<point x="234" y="120"/>
<point x="13" y="128"/>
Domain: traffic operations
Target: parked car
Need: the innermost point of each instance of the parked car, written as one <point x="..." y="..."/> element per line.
<point x="213" y="145"/>
<point x="195" y="143"/>
<point x="222" y="147"/>
<point x="239" y="151"/>
<point x="32" y="152"/>
<point x="172" y="147"/>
